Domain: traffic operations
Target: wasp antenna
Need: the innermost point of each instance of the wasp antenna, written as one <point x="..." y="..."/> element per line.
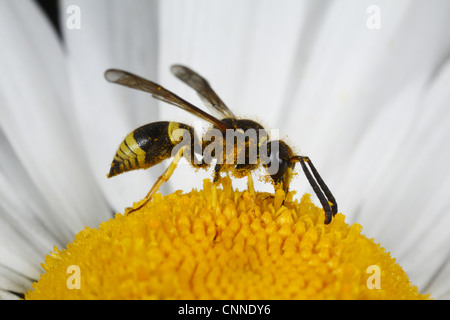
<point x="324" y="188"/>
<point x="323" y="200"/>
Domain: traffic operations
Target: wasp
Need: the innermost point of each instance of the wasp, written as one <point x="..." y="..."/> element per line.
<point x="152" y="143"/>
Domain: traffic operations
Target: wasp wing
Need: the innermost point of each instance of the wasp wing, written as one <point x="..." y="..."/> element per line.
<point x="204" y="90"/>
<point x="133" y="81"/>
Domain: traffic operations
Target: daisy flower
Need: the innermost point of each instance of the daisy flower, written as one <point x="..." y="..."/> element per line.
<point x="360" y="87"/>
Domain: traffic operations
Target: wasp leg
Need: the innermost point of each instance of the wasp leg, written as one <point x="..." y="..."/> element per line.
<point x="217" y="169"/>
<point x="163" y="178"/>
<point x="317" y="190"/>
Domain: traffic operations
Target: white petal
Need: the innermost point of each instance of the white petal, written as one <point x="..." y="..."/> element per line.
<point x="24" y="205"/>
<point x="47" y="194"/>
<point x="435" y="285"/>
<point x="28" y="227"/>
<point x="35" y="109"/>
<point x="423" y="177"/>
<point x="18" y="275"/>
<point x="113" y="34"/>
<point x="6" y="295"/>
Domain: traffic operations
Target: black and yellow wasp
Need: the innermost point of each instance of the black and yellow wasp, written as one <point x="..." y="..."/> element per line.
<point x="154" y="142"/>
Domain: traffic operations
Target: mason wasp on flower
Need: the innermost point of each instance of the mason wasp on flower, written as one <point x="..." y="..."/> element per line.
<point x="152" y="143"/>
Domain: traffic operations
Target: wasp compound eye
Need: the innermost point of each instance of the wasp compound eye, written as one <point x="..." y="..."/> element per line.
<point x="276" y="165"/>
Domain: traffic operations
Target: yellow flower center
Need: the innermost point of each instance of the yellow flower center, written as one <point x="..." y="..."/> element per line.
<point x="223" y="244"/>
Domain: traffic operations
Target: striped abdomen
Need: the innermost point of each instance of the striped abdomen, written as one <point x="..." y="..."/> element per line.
<point x="144" y="147"/>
